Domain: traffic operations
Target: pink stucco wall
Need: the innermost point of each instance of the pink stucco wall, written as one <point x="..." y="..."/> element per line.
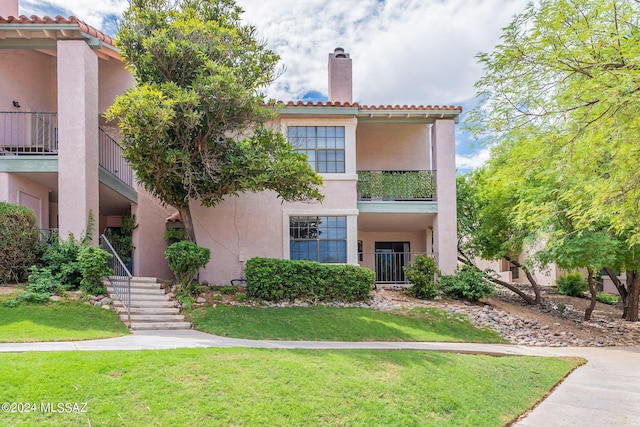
<point x="256" y="225"/>
<point x="19" y="190"/>
<point x="148" y="242"/>
<point x="383" y="146"/>
<point x="8" y="8"/>
<point x="78" y="182"/>
<point x="114" y="80"/>
<point x="445" y="224"/>
<point x="28" y="77"/>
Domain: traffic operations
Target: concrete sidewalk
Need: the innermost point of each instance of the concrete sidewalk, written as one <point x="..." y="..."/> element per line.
<point x="604" y="392"/>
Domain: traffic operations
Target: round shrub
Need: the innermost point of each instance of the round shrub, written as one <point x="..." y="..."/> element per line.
<point x="94" y="263"/>
<point x="18" y="241"/>
<point x="572" y="285"/>
<point x="422" y="274"/>
<point x="185" y="258"/>
<point x="468" y="283"/>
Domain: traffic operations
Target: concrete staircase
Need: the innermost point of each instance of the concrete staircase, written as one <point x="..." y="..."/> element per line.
<point x="151" y="308"/>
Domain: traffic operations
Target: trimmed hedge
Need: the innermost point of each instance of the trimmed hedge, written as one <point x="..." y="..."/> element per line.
<point x="18" y="241"/>
<point x="274" y="279"/>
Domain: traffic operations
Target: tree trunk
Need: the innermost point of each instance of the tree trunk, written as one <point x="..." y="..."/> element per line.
<point x="594" y="294"/>
<point x="621" y="290"/>
<point x="633" y="288"/>
<point x="532" y="280"/>
<point x="509" y="286"/>
<point x="187" y="221"/>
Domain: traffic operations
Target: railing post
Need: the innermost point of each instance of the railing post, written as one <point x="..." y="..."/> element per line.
<point x="121" y="274"/>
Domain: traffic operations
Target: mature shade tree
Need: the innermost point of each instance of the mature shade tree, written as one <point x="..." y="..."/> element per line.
<point x="486" y="228"/>
<point x="195" y="125"/>
<point x="560" y="96"/>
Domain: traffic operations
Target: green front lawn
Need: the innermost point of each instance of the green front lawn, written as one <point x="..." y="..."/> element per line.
<point x="59" y="321"/>
<point x="323" y="323"/>
<point x="274" y="387"/>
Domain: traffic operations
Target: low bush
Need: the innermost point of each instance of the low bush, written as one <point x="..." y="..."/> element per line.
<point x="18" y="241"/>
<point x="185" y="259"/>
<point x="422" y="275"/>
<point x="42" y="284"/>
<point x="277" y="279"/>
<point x="468" y="283"/>
<point x="572" y="285"/>
<point x="94" y="263"/>
<point x="61" y="257"/>
<point x="607" y="298"/>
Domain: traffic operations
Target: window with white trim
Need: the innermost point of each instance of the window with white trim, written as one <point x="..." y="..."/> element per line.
<point x="318" y="238"/>
<point x="323" y="145"/>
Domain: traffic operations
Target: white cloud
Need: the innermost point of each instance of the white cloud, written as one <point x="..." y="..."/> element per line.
<point x="473" y="160"/>
<point x="404" y="51"/>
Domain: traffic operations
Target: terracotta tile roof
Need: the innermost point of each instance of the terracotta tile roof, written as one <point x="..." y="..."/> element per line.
<point x="371" y="107"/>
<point x="82" y="26"/>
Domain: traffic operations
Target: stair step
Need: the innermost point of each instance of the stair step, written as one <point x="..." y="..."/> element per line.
<point x="136" y="291"/>
<point x="148" y="310"/>
<point x="144" y="297"/>
<point x="160" y="325"/>
<point x="153" y="318"/>
<point x="147" y="304"/>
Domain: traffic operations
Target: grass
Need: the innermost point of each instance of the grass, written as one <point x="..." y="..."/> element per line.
<point x="323" y="323"/>
<point x="276" y="387"/>
<point x="59" y="321"/>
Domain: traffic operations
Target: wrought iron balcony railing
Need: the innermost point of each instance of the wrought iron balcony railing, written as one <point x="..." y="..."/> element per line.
<point x="28" y="133"/>
<point x="111" y="159"/>
<point x="396" y="185"/>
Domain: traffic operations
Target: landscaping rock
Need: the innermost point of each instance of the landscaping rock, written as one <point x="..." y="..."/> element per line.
<point x="54" y="298"/>
<point x="200" y="300"/>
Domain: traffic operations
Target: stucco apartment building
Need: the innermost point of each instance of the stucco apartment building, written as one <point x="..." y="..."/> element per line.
<point x="388" y="171"/>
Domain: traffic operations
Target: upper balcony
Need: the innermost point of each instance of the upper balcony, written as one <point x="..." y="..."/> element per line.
<point x="397" y="191"/>
<point x="34" y="135"/>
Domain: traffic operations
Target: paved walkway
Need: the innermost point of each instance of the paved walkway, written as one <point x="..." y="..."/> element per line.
<point x="604" y="392"/>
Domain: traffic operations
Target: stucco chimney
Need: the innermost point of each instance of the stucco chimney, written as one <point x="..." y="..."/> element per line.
<point x="8" y="8"/>
<point x="340" y="84"/>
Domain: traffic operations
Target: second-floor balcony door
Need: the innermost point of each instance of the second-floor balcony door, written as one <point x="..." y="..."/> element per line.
<point x="391" y="258"/>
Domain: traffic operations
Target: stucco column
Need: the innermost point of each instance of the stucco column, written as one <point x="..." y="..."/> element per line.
<point x="445" y="223"/>
<point x="78" y="181"/>
<point x="9" y="8"/>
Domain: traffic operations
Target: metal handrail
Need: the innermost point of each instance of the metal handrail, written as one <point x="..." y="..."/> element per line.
<point x="110" y="158"/>
<point x="121" y="278"/>
<point x="28" y="133"/>
<point x="388" y="266"/>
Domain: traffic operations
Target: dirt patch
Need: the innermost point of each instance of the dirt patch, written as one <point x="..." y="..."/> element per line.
<point x="7" y="289"/>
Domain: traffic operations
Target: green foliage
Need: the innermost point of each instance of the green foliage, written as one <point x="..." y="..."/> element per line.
<point x="194" y="125"/>
<point x="94" y="263"/>
<point x="607" y="298"/>
<point x="18" y="241"/>
<point x="561" y="110"/>
<point x="468" y="283"/>
<point x="422" y="275"/>
<point x="174" y="235"/>
<point x="278" y="279"/>
<point x="61" y="258"/>
<point x="572" y="285"/>
<point x="399" y="185"/>
<point x="185" y="258"/>
<point x="122" y="238"/>
<point x="42" y="284"/>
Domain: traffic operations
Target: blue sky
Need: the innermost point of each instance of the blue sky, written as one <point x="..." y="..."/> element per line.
<point x="418" y="52"/>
